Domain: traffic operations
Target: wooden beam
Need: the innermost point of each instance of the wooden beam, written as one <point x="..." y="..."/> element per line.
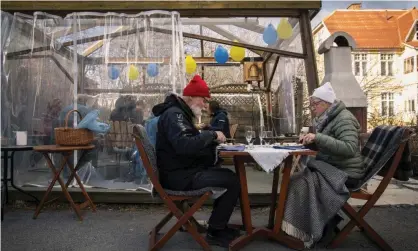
<point x="251" y="27"/>
<point x="189" y="35"/>
<point x="68" y="75"/>
<point x="214" y="8"/>
<point x="166" y="60"/>
<point x="228" y="35"/>
<point x="97" y="45"/>
<point x="308" y="50"/>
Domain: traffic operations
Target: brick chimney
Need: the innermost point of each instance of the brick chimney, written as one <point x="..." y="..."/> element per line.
<point x="354" y="6"/>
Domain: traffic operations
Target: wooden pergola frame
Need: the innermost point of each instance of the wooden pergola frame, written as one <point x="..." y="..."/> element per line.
<point x="301" y="11"/>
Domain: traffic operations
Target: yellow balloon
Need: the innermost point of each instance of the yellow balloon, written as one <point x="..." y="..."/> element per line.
<point x="133" y="72"/>
<point x="190" y="64"/>
<point x="237" y="53"/>
<point x="284" y="29"/>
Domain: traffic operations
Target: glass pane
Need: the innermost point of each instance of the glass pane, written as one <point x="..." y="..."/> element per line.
<point x="364" y="68"/>
<point x="384" y="108"/>
<point x="357" y="68"/>
<point x="391" y="108"/>
<point x="383" y="68"/>
<point x="390" y="68"/>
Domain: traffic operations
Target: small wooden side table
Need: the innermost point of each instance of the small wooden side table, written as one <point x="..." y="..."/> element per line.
<point x="67" y="152"/>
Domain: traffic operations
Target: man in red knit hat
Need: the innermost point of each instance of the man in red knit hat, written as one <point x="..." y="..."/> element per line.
<point x="187" y="158"/>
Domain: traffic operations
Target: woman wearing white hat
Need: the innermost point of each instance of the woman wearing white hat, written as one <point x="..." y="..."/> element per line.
<point x="337" y="134"/>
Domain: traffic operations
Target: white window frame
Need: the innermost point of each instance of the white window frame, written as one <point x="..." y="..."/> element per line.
<point x="362" y="60"/>
<point x="388" y="60"/>
<point x="387" y="98"/>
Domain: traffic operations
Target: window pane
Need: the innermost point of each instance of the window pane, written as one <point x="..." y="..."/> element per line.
<point x="384" y="96"/>
<point x="413" y="106"/>
<point x="391" y="108"/>
<point x="364" y="68"/>
<point x="382" y="56"/>
<point x="384" y="108"/>
<point x="356" y="57"/>
<point x="357" y="68"/>
<point x="383" y="68"/>
<point x="390" y="56"/>
<point x="391" y="96"/>
<point x="363" y="57"/>
<point x="390" y="68"/>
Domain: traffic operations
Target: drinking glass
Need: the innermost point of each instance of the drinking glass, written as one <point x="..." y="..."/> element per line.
<point x="262" y="135"/>
<point x="249" y="136"/>
<point x="268" y="137"/>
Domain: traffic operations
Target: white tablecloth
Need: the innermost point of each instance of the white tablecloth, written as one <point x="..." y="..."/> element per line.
<point x="267" y="157"/>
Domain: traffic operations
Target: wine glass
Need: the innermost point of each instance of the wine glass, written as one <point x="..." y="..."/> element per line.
<point x="268" y="137"/>
<point x="249" y="135"/>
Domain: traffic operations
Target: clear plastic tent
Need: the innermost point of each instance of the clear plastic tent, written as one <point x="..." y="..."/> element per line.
<point x="122" y="65"/>
<point x="87" y="61"/>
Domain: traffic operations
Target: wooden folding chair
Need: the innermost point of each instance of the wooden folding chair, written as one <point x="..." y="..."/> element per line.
<point x="176" y="201"/>
<point x="357" y="217"/>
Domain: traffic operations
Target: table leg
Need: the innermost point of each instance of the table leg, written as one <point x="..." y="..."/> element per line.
<point x="80" y="184"/>
<point x="241" y="241"/>
<point x="283" y="194"/>
<point x="273" y="203"/>
<point x="244" y="197"/>
<point x="56" y="177"/>
<point x="12" y="179"/>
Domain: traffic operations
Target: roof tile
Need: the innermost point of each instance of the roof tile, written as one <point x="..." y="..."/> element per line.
<point x="373" y="28"/>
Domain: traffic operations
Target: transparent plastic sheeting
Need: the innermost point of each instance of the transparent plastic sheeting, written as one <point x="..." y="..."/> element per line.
<point x="86" y="61"/>
<point x="121" y="65"/>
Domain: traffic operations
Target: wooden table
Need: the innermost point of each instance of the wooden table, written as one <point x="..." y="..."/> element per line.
<point x="277" y="206"/>
<point x="67" y="152"/>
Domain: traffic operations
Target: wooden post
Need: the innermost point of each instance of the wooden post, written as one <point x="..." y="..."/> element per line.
<point x="308" y="51"/>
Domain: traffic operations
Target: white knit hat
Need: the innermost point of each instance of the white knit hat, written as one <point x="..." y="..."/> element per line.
<point x="325" y="93"/>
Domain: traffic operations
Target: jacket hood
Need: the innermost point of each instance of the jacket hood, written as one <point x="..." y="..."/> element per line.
<point x="170" y="101"/>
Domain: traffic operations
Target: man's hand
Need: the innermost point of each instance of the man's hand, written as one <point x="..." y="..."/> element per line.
<point x="200" y="126"/>
<point x="308" y="139"/>
<point x="221" y="137"/>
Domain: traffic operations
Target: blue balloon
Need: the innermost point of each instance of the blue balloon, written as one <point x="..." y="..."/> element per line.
<point x="270" y="35"/>
<point x="221" y="55"/>
<point x="152" y="69"/>
<point x="113" y="72"/>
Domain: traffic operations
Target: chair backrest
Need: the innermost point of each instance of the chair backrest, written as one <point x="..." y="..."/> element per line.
<point x="233" y="130"/>
<point x="120" y="134"/>
<point x="149" y="158"/>
<point x="384" y="144"/>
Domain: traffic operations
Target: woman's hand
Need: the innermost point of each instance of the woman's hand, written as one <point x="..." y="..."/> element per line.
<point x="308" y="139"/>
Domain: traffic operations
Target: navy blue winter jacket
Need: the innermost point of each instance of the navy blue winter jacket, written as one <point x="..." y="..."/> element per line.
<point x="220" y="122"/>
<point x="182" y="151"/>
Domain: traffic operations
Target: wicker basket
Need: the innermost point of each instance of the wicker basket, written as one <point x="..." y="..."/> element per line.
<point x="66" y="136"/>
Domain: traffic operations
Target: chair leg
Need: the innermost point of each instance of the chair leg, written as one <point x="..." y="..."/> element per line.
<point x="184" y="219"/>
<point x="359" y="221"/>
<point x="156" y="229"/>
<point x="184" y="207"/>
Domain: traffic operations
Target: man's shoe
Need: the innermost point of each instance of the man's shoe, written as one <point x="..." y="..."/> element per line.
<point x="218" y="240"/>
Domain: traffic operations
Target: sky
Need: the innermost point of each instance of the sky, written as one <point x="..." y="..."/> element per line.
<point x="330" y="6"/>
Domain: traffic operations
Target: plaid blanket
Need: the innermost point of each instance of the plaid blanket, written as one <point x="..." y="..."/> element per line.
<point x="380" y="148"/>
<point x="314" y="197"/>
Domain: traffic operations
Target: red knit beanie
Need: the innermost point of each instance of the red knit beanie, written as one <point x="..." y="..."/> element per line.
<point x="197" y="88"/>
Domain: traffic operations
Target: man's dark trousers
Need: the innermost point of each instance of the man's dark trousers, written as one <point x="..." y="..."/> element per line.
<point x="224" y="205"/>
